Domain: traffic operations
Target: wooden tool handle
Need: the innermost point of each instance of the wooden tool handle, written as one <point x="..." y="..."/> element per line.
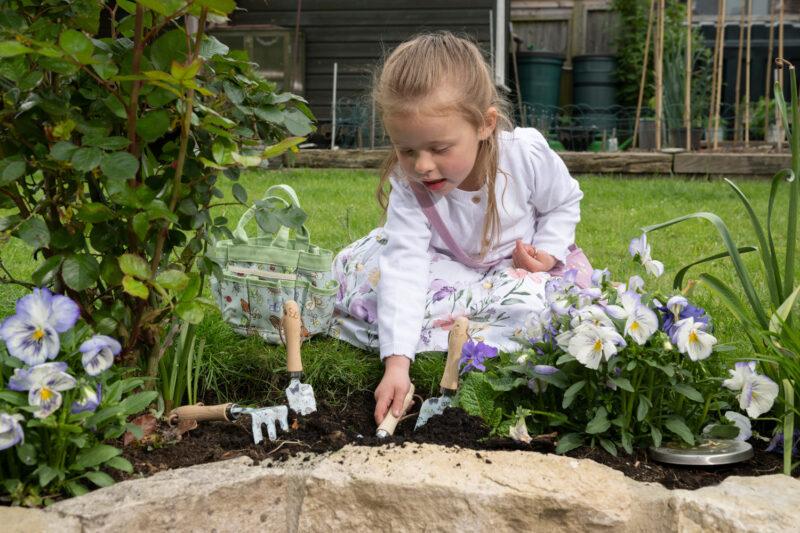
<point x="199" y="412"/>
<point x="291" y="331"/>
<point x="390" y="421"/>
<point x="455" y="343"/>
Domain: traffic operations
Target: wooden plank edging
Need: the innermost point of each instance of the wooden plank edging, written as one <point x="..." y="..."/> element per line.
<point x="725" y="164"/>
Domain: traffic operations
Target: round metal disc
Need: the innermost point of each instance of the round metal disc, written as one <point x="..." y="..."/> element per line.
<point x="706" y="453"/>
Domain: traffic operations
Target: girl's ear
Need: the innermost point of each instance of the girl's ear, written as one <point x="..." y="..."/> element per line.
<point x="489" y="123"/>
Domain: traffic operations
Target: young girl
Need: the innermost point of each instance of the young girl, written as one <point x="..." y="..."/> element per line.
<point x="502" y="195"/>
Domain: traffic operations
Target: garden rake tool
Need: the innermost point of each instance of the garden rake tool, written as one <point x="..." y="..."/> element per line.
<point x="449" y="384"/>
<point x="230" y="412"/>
<point x="300" y="395"/>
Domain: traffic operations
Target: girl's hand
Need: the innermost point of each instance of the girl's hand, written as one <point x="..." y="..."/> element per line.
<point x="528" y="258"/>
<point x="393" y="387"/>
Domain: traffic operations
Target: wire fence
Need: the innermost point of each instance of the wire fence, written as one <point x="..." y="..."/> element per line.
<point x="581" y="127"/>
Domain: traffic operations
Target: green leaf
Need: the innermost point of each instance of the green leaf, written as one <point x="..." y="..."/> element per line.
<point x="34" y="233"/>
<point x="47" y="271"/>
<point x="246" y="160"/>
<point x="137" y="402"/>
<point x="656" y="434"/>
<point x="642" y="408"/>
<point x="75" y="488"/>
<point x="135" y="287"/>
<point x="622" y="383"/>
<point x="568" y="442"/>
<point x="137" y="431"/>
<point x="723" y="431"/>
<point x="13" y="48"/>
<point x="80" y="271"/>
<point x="234" y="93"/>
<point x="281" y="147"/>
<point x="26" y="453"/>
<point x="110" y="271"/>
<point x="119" y="165"/>
<point x="239" y="193"/>
<point x="192" y="288"/>
<point x="86" y="159"/>
<point x="599" y="424"/>
<point x="571" y="392"/>
<point x="46" y="474"/>
<point x="62" y="151"/>
<point x="12" y="172"/>
<point x="190" y="311"/>
<point x="153" y="125"/>
<point x="96" y="455"/>
<point x="120" y="463"/>
<point x="75" y="42"/>
<point x="297" y="123"/>
<point x="608" y="446"/>
<point x="173" y="280"/>
<point x="115" y="106"/>
<point x="101" y="479"/>
<point x="677" y="425"/>
<point x="141" y="225"/>
<point x="14" y="397"/>
<point x="134" y="265"/>
<point x="627" y="442"/>
<point x="267" y="221"/>
<point x="169" y="47"/>
<point x="94" y="212"/>
<point x="688" y="391"/>
<point x="292" y="216"/>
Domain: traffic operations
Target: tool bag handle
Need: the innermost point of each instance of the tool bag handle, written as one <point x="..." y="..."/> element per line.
<point x="281" y="239"/>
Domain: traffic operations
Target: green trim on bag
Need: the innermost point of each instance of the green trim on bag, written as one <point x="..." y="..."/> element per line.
<point x="331" y="288"/>
<point x="227" y="251"/>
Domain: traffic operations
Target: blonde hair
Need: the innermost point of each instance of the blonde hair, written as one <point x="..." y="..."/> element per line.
<point x="419" y="67"/>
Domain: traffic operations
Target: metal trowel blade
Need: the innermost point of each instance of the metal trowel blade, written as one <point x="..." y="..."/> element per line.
<point x="301" y="397"/>
<point x="432" y="407"/>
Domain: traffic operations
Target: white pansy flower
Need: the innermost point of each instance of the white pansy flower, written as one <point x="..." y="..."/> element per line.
<point x="591" y="344"/>
<point x="692" y="339"/>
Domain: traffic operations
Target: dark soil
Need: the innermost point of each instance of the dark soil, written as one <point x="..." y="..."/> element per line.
<point x="330" y="429"/>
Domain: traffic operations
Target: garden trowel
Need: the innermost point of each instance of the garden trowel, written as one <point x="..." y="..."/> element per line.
<point x="230" y="412"/>
<point x="449" y="384"/>
<point x="390" y="421"/>
<point x="300" y="395"/>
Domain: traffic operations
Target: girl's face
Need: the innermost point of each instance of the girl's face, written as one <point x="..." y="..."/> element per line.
<point x="439" y="151"/>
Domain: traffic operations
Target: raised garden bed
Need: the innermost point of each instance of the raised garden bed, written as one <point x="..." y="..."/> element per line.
<point x="329" y="430"/>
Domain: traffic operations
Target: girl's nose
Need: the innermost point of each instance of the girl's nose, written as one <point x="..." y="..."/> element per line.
<point x="424" y="163"/>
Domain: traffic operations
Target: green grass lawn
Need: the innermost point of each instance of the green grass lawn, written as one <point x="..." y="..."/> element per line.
<point x="341" y="206"/>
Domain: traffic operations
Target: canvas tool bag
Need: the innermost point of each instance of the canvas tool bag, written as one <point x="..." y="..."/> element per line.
<point x="261" y="273"/>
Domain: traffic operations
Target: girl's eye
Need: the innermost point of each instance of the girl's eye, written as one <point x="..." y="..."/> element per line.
<point x="439" y="150"/>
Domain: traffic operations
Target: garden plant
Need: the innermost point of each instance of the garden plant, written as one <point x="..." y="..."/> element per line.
<point x="117" y="125"/>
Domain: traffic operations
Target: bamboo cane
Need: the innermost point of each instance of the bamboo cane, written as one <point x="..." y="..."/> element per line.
<point x="719" y="73"/>
<point x="780" y="72"/>
<point x="738" y="90"/>
<point x="687" y="97"/>
<point x="747" y="74"/>
<point x="659" y="78"/>
<point x="644" y="74"/>
<point x="711" y="131"/>
<point x="769" y="65"/>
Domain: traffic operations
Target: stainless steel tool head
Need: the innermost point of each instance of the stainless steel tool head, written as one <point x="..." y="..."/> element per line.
<point x="301" y="397"/>
<point x="432" y="407"/>
<point x="266" y="416"/>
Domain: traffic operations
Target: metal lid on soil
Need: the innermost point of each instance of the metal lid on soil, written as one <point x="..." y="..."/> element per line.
<point x="710" y="452"/>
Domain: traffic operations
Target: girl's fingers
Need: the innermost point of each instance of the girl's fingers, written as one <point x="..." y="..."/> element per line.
<point x="381" y="406"/>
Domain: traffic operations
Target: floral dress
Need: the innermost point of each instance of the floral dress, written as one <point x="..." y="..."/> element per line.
<point x="497" y="301"/>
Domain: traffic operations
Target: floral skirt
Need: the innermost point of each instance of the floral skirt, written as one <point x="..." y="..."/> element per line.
<point x="497" y="301"/>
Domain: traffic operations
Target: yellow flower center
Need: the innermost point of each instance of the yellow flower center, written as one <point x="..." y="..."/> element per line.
<point x="692" y="337"/>
<point x="46" y="394"/>
<point x="598" y="345"/>
<point x="634" y="325"/>
<point x="38" y="334"/>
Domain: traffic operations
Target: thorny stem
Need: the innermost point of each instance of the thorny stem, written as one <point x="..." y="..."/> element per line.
<point x="136" y="66"/>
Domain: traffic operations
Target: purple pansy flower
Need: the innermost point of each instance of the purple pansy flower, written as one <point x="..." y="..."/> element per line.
<point x="98" y="353"/>
<point x="473" y="356"/>
<point x="10" y="431"/>
<point x="776" y="444"/>
<point x="43" y="383"/>
<point x="89" y="399"/>
<point x="538" y="385"/>
<point x="32" y="334"/>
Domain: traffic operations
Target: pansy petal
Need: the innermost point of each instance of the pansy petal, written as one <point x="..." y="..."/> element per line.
<point x="63" y="313"/>
<point x="31" y="342"/>
<point x="10" y="431"/>
<point x="49" y="400"/>
<point x="741" y="422"/>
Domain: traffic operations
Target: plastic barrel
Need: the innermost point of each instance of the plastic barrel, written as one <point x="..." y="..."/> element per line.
<point x="594" y="91"/>
<point x="540" y="82"/>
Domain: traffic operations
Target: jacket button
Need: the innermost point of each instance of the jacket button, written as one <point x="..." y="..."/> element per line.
<point x="476" y="199"/>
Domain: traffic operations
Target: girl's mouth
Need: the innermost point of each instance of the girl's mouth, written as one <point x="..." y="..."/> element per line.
<point x="435" y="185"/>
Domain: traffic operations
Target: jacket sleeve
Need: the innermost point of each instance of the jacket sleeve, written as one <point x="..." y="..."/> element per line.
<point x="404" y="270"/>
<point x="555" y="198"/>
